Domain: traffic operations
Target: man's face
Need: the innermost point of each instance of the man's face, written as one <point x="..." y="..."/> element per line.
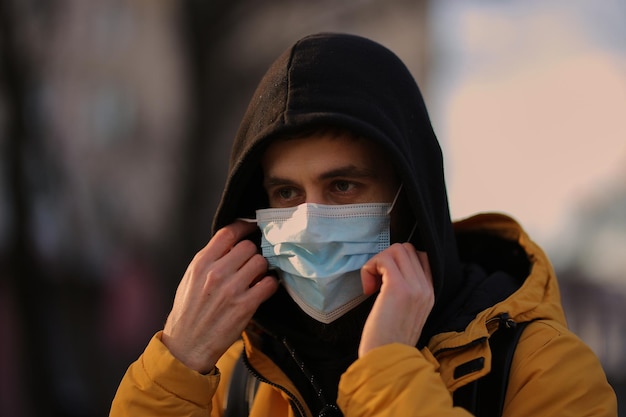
<point x="327" y="169"/>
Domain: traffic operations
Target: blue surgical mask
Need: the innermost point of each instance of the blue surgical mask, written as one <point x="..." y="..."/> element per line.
<point x="318" y="251"/>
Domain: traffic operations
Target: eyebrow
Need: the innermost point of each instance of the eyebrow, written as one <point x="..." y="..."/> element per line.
<point x="348" y="171"/>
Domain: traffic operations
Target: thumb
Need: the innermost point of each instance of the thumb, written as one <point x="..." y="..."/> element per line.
<point x="371" y="279"/>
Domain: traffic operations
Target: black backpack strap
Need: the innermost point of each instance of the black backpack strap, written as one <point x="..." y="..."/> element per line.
<point x="485" y="396"/>
<point x="241" y="390"/>
<point x="493" y="386"/>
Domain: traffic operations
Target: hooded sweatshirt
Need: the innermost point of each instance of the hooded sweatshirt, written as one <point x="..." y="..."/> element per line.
<point x="356" y="84"/>
<point x="485" y="269"/>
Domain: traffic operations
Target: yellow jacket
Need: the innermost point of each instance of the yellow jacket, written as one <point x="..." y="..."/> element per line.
<point x="553" y="372"/>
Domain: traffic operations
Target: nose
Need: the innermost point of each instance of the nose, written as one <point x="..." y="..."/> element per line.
<point x="315" y="196"/>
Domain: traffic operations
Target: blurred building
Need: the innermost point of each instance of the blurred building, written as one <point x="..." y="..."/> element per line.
<point x="95" y="103"/>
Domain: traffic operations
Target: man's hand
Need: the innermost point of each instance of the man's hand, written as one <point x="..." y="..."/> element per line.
<point x="405" y="300"/>
<point x="222" y="288"/>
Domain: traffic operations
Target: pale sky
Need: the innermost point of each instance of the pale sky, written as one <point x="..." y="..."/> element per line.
<point x="531" y="107"/>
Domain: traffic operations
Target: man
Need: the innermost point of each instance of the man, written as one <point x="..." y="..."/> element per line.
<point x="334" y="257"/>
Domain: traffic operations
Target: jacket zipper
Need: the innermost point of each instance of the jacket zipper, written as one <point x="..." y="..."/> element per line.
<point x="292" y="397"/>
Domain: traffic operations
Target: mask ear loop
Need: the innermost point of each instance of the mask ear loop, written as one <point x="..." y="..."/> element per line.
<point x="393" y="203"/>
<point x="247" y="220"/>
<point x="408" y="239"/>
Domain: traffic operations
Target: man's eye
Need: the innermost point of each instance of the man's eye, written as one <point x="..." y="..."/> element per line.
<point x="286" y="193"/>
<point x="343" y="186"/>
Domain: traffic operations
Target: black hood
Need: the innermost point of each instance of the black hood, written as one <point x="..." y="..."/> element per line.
<point x="353" y="83"/>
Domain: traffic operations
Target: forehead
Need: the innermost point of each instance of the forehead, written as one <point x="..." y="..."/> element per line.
<point x="325" y="149"/>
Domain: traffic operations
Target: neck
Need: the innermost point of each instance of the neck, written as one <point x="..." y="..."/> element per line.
<point x="325" y="349"/>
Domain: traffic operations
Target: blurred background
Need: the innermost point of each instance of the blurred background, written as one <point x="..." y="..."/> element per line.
<point x="115" y="124"/>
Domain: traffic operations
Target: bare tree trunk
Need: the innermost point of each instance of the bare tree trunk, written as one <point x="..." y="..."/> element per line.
<point x="202" y="24"/>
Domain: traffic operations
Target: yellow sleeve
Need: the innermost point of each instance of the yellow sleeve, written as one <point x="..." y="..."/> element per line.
<point x="225" y="365"/>
<point x="555" y="374"/>
<point x="158" y="384"/>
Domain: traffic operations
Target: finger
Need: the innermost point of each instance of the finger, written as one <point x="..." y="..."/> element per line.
<point x="419" y="266"/>
<point x="372" y="273"/>
<point x="401" y="262"/>
<point x="238" y="272"/>
<point x="226" y="238"/>
<point x="415" y="270"/>
<point x="371" y="282"/>
<point x="407" y="260"/>
<point x="261" y="290"/>
<point x="423" y="258"/>
<point x="252" y="271"/>
<point x="237" y="268"/>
